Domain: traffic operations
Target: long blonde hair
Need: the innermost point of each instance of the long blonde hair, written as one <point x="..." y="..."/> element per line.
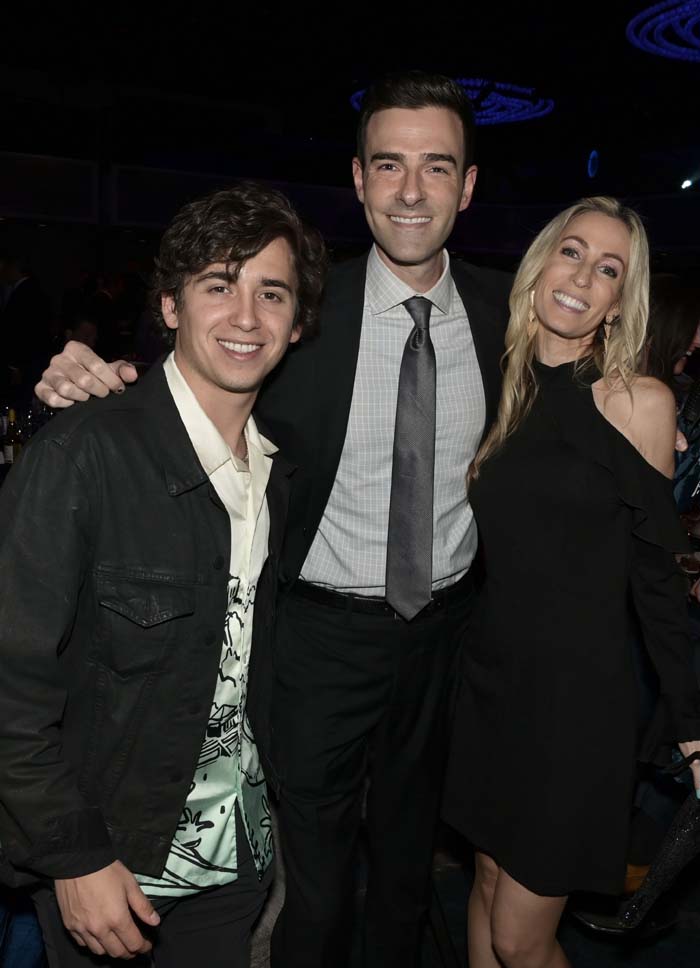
<point x="616" y="356"/>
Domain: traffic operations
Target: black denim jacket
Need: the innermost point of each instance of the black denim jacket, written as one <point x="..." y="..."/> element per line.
<point x="114" y="552"/>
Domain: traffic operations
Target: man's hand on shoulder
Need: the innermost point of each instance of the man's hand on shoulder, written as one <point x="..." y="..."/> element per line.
<point x="96" y="909"/>
<point x="78" y="374"/>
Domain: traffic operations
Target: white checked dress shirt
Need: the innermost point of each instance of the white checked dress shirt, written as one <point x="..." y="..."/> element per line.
<point x="348" y="553"/>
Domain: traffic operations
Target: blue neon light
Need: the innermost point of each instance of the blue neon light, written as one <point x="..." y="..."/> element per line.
<point x="494" y="102"/>
<point x="593" y="162"/>
<point x="669" y="29"/>
<point x="356" y="99"/>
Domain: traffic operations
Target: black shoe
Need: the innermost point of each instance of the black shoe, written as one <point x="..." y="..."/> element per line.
<point x="660" y="919"/>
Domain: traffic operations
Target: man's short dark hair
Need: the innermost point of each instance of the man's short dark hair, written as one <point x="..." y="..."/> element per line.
<point x="232" y="226"/>
<point x="417" y="89"/>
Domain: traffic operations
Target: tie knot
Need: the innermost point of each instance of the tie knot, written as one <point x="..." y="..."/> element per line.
<point x="419" y="310"/>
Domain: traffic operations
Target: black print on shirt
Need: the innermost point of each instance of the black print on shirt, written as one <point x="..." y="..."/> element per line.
<point x="227" y="724"/>
<point x="237" y="609"/>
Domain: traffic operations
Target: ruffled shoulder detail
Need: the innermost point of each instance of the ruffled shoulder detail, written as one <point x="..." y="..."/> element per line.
<point x="648" y="492"/>
<point x="657" y="585"/>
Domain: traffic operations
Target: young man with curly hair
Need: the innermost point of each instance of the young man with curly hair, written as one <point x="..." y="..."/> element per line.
<point x="140" y="532"/>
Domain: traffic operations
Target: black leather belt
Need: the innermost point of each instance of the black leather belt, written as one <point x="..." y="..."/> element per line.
<point x="379" y="606"/>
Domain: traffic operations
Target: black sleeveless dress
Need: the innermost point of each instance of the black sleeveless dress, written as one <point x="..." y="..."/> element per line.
<point x="574" y="526"/>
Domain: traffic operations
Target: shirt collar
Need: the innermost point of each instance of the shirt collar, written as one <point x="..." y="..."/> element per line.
<point x="210" y="447"/>
<point x="384" y="290"/>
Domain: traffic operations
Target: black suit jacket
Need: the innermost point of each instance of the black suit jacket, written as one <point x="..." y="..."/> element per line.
<point x="306" y="400"/>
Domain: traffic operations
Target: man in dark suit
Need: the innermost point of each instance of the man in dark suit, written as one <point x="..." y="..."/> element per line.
<point x="361" y="692"/>
<point x="364" y="651"/>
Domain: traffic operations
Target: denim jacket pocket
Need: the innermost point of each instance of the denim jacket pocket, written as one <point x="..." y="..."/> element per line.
<point x="138" y="618"/>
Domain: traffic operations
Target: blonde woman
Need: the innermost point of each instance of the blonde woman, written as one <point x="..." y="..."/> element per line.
<point x="572" y="494"/>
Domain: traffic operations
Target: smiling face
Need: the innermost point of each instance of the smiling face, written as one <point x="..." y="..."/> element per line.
<point x="412" y="185"/>
<point x="581" y="281"/>
<point x="232" y="330"/>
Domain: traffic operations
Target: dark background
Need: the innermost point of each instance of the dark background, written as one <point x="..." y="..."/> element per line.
<point x="111" y="118"/>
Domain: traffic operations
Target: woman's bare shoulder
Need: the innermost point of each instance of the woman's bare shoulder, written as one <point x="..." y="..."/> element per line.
<point x="645" y="412"/>
<point x="652" y="393"/>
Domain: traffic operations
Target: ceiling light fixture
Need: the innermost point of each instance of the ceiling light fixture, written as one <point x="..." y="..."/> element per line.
<point x="669" y="29"/>
<point x="593" y="164"/>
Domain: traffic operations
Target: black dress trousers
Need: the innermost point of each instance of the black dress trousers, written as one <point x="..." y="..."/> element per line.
<point x="359" y="697"/>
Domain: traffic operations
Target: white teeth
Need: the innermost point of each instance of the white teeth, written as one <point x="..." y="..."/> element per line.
<point x="570" y="302"/>
<point x="239" y="347"/>
<point x="419" y="220"/>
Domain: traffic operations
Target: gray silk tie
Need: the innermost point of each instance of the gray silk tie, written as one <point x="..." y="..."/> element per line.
<point x="409" y="557"/>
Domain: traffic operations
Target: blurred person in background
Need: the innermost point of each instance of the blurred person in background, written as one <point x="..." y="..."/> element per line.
<point x="673" y="335"/>
<point x="673" y="331"/>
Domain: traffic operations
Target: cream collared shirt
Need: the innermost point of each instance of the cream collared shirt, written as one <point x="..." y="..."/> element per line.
<point x="204" y="850"/>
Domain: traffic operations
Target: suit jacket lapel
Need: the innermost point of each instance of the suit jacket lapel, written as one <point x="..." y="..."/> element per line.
<point x="341" y="326"/>
<point x="277" y="494"/>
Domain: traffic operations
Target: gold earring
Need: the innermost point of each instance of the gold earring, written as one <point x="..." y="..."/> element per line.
<point x="531" y="317"/>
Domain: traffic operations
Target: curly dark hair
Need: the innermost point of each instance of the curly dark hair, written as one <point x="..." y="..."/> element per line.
<point x="417" y="89"/>
<point x="232" y="226"/>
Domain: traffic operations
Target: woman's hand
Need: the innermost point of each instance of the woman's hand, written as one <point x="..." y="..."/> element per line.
<point x="693" y="746"/>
